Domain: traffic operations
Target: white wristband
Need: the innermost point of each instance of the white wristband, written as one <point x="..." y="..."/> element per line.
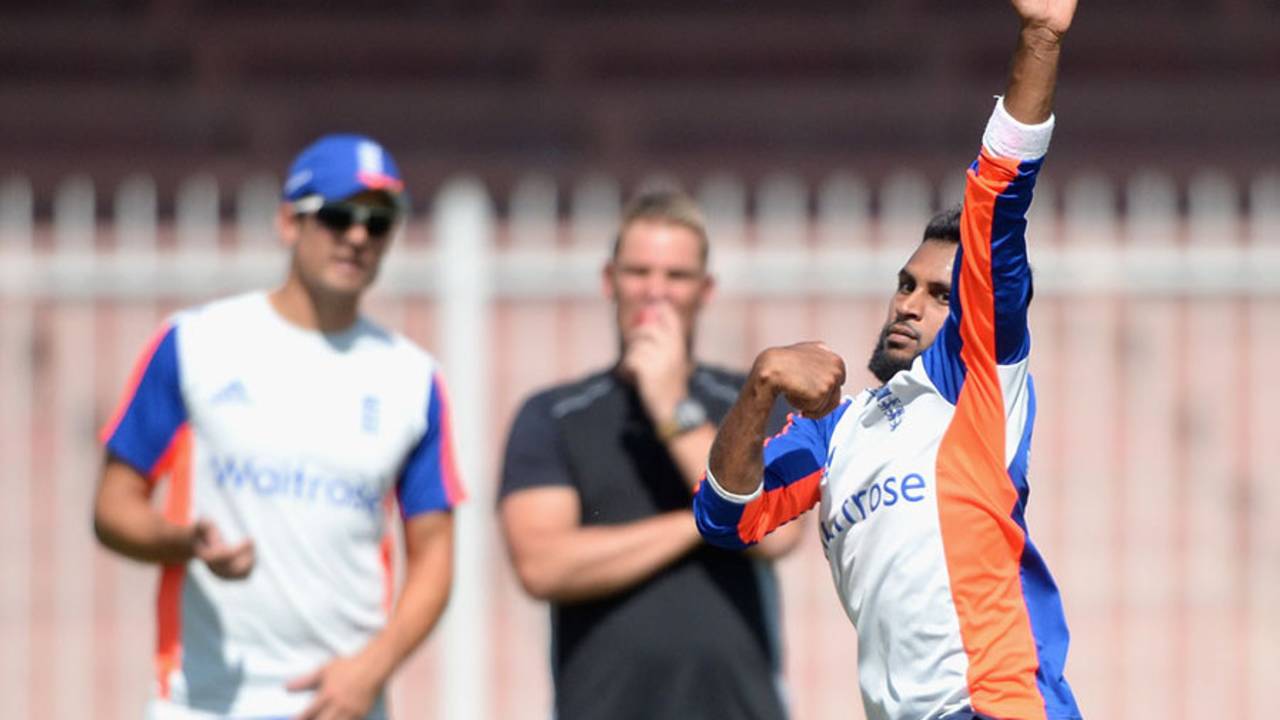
<point x="1008" y="138"/>
<point x="732" y="497"/>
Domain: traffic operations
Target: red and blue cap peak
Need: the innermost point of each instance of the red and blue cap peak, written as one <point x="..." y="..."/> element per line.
<point x="336" y="167"/>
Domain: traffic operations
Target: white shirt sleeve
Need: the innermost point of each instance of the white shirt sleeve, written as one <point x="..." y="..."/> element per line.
<point x="1007" y="138"/>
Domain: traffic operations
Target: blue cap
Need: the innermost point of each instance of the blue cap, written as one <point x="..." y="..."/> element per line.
<point x="336" y="167"/>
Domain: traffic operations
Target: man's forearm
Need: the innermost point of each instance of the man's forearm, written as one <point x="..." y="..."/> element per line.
<point x="417" y="610"/>
<point x="144" y="536"/>
<point x="422" y="599"/>
<point x="1033" y="75"/>
<point x="584" y="563"/>
<point x="125" y="522"/>
<point x="737" y="456"/>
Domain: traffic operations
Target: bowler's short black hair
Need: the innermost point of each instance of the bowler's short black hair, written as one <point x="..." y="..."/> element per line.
<point x="944" y="226"/>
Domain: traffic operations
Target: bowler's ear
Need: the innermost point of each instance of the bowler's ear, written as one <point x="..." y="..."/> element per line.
<point x="288" y="225"/>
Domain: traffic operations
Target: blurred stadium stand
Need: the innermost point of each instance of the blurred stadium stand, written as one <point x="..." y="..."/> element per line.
<point x="568" y="87"/>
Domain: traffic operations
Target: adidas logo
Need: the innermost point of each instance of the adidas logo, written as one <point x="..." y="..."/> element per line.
<point x="234" y="392"/>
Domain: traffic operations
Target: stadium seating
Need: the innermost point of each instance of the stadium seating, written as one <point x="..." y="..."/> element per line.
<point x="496" y="87"/>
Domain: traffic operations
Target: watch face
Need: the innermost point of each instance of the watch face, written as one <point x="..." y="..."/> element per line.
<point x="690" y="414"/>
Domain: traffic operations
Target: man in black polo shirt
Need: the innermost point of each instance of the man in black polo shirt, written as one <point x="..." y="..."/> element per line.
<point x="647" y="621"/>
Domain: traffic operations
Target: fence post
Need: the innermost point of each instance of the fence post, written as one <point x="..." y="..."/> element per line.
<point x="464" y="229"/>
<point x="136" y="238"/>
<point x="16" y="211"/>
<point x="256" y="201"/>
<point x="843" y="213"/>
<point x="722" y="336"/>
<point x="196" y="213"/>
<point x="905" y="204"/>
<point x="534" y="230"/>
<point x="597" y="205"/>
<point x="1088" y="443"/>
<point x="74" y="457"/>
<point x="533" y="226"/>
<point x="1263" y="652"/>
<point x="723" y="199"/>
<point x="780" y="260"/>
<point x="17" y="378"/>
<point x="1149" y="361"/>
<point x="846" y="257"/>
<point x="135" y="218"/>
<point x="1213" y="415"/>
<point x="197" y="225"/>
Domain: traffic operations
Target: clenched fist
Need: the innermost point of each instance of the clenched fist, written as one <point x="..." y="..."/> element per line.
<point x="808" y="374"/>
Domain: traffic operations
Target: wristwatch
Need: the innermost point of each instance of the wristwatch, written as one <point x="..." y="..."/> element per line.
<point x="689" y="414"/>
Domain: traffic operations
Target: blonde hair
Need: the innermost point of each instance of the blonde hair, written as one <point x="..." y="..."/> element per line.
<point x="668" y="206"/>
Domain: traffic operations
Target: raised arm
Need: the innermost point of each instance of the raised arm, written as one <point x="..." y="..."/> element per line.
<point x="991" y="284"/>
<point x="1034" y="74"/>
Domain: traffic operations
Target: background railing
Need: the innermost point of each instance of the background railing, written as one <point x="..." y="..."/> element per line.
<point x="1156" y="336"/>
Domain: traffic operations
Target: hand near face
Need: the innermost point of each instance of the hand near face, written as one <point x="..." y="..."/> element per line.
<point x="657" y="360"/>
<point x="808" y="374"/>
<point x="230" y="562"/>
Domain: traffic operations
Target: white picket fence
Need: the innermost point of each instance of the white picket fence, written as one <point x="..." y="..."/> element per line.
<point x="1156" y="325"/>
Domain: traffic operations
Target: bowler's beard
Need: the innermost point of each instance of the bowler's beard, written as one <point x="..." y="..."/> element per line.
<point x="883" y="365"/>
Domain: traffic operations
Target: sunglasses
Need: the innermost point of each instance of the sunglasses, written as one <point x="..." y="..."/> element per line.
<point x="340" y="216"/>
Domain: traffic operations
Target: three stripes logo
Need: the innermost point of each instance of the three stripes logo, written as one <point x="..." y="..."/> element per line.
<point x="233" y="392"/>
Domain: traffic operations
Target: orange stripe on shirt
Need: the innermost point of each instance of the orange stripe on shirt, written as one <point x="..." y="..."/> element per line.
<point x="453" y="488"/>
<point x="135" y="379"/>
<point x="982" y="543"/>
<point x="177" y="460"/>
<point x="386" y="555"/>
<point x="778" y="506"/>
